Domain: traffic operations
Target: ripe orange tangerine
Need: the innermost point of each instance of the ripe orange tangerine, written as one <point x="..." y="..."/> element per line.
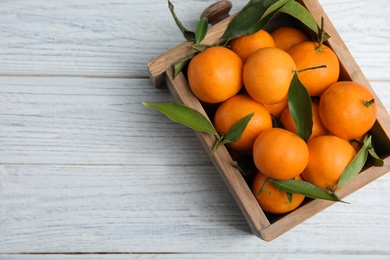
<point x="244" y="46"/>
<point x="267" y="75"/>
<point x="215" y="74"/>
<point x="286" y="37"/>
<point x="309" y="54"/>
<point x="328" y="157"/>
<point x="280" y="154"/>
<point x="277" y="108"/>
<point x="235" y="108"/>
<point x="272" y="199"/>
<point x="348" y="109"/>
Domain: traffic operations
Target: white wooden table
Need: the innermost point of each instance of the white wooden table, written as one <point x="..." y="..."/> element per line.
<point x="87" y="172"/>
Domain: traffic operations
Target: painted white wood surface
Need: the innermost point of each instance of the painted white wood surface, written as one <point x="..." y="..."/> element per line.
<point x="85" y="168"/>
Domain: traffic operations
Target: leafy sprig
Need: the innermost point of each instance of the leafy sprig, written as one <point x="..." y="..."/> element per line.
<point x="312" y="191"/>
<point x="195" y="120"/>
<point x="252" y="18"/>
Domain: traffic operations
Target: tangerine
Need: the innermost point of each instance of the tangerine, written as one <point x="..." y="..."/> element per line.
<point x="215" y="74"/>
<point x="276" y="109"/>
<point x="244" y="46"/>
<point x="328" y="157"/>
<point x="267" y="75"/>
<point x="286" y="37"/>
<point x="311" y="54"/>
<point x="348" y="109"/>
<point x="235" y="108"/>
<point x="272" y="199"/>
<point x="280" y="154"/>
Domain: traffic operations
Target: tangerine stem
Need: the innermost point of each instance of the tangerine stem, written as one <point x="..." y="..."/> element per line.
<point x="369" y="103"/>
<point x="311" y="68"/>
<point x="201" y="47"/>
<point x="195" y="47"/>
<point x="219" y="141"/>
<point x="262" y="189"/>
<point x="322" y="37"/>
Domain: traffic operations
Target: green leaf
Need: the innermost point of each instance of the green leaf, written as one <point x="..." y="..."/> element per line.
<point x="356" y="165"/>
<point x="249" y="20"/>
<point x="237" y="129"/>
<point x="378" y="162"/>
<point x="299" y="12"/>
<point x="179" y="65"/>
<point x="305" y="188"/>
<point x="201" y="30"/>
<point x="262" y="189"/>
<point x="275" y="7"/>
<point x="289" y="197"/>
<point x="189" y="35"/>
<point x="322" y="35"/>
<point x="185" y="115"/>
<point x="300" y="106"/>
<point x="234" y="133"/>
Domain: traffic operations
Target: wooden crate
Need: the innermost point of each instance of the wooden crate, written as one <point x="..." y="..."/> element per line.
<point x="264" y="225"/>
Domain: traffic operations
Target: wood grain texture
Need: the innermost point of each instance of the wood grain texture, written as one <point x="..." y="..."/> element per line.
<point x="85" y="168"/>
<point x="118" y="38"/>
<point x="183" y="209"/>
<point x="169" y="256"/>
<point x="89" y="121"/>
<point x="90" y="38"/>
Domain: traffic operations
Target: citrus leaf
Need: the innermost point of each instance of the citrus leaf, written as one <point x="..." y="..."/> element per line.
<point x="300" y="106"/>
<point x="201" y="30"/>
<point x="267" y="16"/>
<point x="237" y="129"/>
<point x="299" y="12"/>
<point x="322" y="35"/>
<point x="289" y="197"/>
<point x="356" y="165"/>
<point x="179" y="65"/>
<point x="188" y="35"/>
<point x="262" y="189"/>
<point x="234" y="133"/>
<point x="275" y="7"/>
<point x="184" y="115"/>
<point x="249" y="20"/>
<point x="377" y="160"/>
<point x="305" y="188"/>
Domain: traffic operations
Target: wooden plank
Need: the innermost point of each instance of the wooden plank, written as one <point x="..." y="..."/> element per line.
<point x="151" y="191"/>
<point x="118" y="38"/>
<point x="65" y="120"/>
<point x="382" y="90"/>
<point x="104" y="38"/>
<point x="210" y="256"/>
<point x="363" y="31"/>
<point x="166" y="209"/>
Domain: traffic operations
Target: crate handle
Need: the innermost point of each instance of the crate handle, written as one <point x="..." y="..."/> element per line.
<point x="217" y="11"/>
<point x="158" y="66"/>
